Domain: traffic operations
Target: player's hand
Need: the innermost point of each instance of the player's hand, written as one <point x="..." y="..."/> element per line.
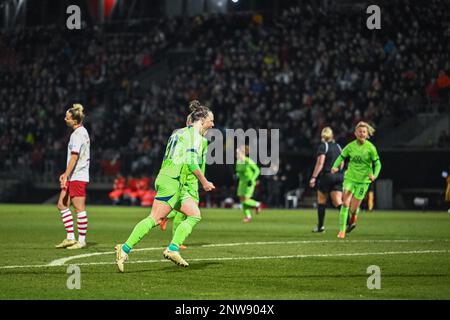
<point x="334" y="170"/>
<point x="372" y="177"/>
<point x="312" y="182"/>
<point x="208" y="186"/>
<point x="62" y="181"/>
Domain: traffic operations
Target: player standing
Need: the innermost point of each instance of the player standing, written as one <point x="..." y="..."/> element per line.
<point x="363" y="168"/>
<point x="181" y="152"/>
<point x="74" y="180"/>
<point x="247" y="172"/>
<point x="327" y="183"/>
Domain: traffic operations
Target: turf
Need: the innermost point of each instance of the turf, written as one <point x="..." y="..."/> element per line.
<point x="276" y="256"/>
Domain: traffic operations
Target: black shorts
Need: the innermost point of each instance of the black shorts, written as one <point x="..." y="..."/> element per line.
<point x="329" y="182"/>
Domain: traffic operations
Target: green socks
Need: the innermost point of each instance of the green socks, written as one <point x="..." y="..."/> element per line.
<point x="343" y="218"/>
<point x="172" y="214"/>
<point x="246" y="209"/>
<point x="139" y="231"/>
<point x="178" y="218"/>
<point x="183" y="231"/>
<point x="251" y="203"/>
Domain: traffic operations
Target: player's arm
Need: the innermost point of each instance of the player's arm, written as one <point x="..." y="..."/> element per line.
<point x="376" y="166"/>
<point x="339" y="160"/>
<point x="255" y="171"/>
<point x="193" y="165"/>
<point x="317" y="169"/>
<point x="70" y="166"/>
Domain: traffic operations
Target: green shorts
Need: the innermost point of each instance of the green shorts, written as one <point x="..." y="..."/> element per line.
<point x="358" y="190"/>
<point x="246" y="188"/>
<point x="187" y="192"/>
<point x="168" y="190"/>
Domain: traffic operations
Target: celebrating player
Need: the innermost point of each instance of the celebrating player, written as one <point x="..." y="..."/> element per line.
<point x="326" y="182"/>
<point x="180" y="159"/>
<point x="363" y="168"/>
<point x="190" y="188"/>
<point x="247" y="171"/>
<point x="74" y="180"/>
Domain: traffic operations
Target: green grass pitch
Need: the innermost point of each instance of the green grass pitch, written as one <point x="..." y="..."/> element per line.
<point x="276" y="256"/>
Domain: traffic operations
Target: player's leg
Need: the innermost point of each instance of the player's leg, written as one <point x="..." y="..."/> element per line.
<point x="358" y="197"/>
<point x="370" y="200"/>
<point x="321" y="207"/>
<point x="79" y="203"/>
<point x="245" y="209"/>
<point x="343" y="214"/>
<point x="67" y="219"/>
<point x="166" y="198"/>
<point x="171" y="215"/>
<point x="77" y="193"/>
<point x="189" y="208"/>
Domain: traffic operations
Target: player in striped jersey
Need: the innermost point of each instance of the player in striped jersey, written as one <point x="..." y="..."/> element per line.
<point x="74" y="180"/>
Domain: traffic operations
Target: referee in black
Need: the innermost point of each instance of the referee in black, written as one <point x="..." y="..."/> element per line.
<point x="326" y="182"/>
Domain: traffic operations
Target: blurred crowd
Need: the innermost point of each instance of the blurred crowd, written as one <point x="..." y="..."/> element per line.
<point x="297" y="72"/>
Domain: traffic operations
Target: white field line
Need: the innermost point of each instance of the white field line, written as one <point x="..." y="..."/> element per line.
<point x="62" y="261"/>
<point x="249" y="258"/>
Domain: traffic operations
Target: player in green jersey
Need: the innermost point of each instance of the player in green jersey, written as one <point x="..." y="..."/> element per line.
<point x="190" y="188"/>
<point x="363" y="168"/>
<point x="180" y="158"/>
<point x="247" y="172"/>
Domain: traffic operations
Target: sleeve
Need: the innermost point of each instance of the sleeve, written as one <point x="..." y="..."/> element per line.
<point x="322" y="149"/>
<point x="192" y="154"/>
<point x="75" y="144"/>
<point x="344" y="154"/>
<point x="376" y="161"/>
<point x="255" y="171"/>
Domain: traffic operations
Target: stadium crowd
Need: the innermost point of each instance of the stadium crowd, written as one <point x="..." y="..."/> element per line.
<point x="298" y="72"/>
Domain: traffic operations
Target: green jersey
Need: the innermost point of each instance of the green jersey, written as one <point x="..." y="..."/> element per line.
<point x="247" y="171"/>
<point x="182" y="151"/>
<point x="362" y="157"/>
<point x="187" y="176"/>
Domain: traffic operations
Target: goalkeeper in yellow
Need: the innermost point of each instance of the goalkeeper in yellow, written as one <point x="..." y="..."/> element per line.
<point x="247" y="172"/>
<point x="363" y="168"/>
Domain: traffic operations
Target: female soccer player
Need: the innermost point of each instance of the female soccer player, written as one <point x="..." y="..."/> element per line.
<point x="327" y="183"/>
<point x="359" y="174"/>
<point x="190" y="188"/>
<point x="247" y="171"/>
<point x="181" y="157"/>
<point x="74" y="180"/>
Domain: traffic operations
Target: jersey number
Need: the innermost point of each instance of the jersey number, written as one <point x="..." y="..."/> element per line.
<point x="171" y="147"/>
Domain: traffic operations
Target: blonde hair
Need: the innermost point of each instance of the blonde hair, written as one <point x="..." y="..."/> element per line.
<point x="77" y="112"/>
<point x="327" y="134"/>
<point x="369" y="128"/>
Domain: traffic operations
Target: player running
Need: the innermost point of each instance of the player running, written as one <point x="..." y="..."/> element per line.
<point x="363" y="168"/>
<point x="190" y="188"/>
<point x="74" y="180"/>
<point x="247" y="172"/>
<point x="327" y="183"/>
<point x="181" y="158"/>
